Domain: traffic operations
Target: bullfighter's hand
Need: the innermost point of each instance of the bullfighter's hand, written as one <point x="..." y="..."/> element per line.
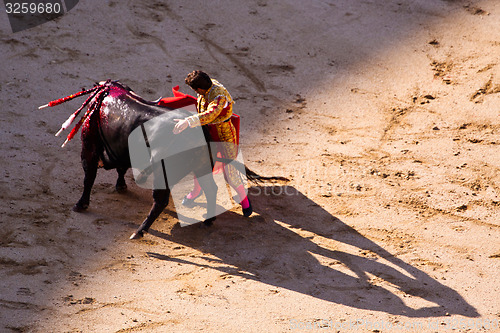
<point x="181" y="125"/>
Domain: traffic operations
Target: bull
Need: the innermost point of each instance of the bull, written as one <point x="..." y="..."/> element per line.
<point x="113" y="112"/>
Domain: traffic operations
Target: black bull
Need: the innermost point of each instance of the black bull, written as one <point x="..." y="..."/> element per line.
<point x="117" y="112"/>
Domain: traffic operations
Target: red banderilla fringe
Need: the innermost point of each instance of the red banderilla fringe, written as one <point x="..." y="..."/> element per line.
<point x="75" y="114"/>
<point x="68" y="98"/>
<point x="95" y="106"/>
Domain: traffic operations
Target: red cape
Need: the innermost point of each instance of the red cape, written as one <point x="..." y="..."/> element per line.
<point x="179" y="100"/>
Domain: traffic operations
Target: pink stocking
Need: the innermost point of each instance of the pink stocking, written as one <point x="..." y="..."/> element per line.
<point x="196" y="190"/>
<point x="242" y="194"/>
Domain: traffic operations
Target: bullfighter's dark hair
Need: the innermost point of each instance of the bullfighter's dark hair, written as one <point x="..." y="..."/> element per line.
<point x="198" y="80"/>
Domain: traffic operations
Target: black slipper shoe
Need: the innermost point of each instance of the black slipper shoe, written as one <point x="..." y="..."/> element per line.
<point x="190" y="202"/>
<point x="248" y="211"/>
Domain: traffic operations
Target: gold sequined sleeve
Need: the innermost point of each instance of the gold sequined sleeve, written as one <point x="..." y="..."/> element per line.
<point x="211" y="113"/>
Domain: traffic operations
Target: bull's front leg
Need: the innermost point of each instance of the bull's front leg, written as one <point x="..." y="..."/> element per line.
<point x="160" y="198"/>
<point x="90" y="160"/>
<point x="121" y="185"/>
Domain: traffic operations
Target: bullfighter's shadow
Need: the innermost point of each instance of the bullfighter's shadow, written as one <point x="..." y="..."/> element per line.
<point x="290" y="260"/>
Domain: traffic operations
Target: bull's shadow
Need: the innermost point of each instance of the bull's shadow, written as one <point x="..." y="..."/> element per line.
<point x="290" y="260"/>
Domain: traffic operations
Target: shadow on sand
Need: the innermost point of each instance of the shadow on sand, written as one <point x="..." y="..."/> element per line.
<point x="291" y="260"/>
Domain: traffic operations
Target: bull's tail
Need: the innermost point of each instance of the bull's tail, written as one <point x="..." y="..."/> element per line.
<point x="251" y="175"/>
<point x="256" y="178"/>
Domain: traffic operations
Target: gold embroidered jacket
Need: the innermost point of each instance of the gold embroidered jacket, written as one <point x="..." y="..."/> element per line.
<point x="216" y="106"/>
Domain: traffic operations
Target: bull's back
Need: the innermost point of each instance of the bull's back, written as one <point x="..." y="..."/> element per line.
<point x="120" y="114"/>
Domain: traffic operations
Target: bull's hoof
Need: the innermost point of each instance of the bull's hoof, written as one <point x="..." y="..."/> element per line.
<point x="208" y="222"/>
<point x="121" y="188"/>
<point x="137" y="235"/>
<point x="78" y="207"/>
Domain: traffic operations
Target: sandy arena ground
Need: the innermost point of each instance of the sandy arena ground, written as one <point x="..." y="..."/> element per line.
<point x="384" y="115"/>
